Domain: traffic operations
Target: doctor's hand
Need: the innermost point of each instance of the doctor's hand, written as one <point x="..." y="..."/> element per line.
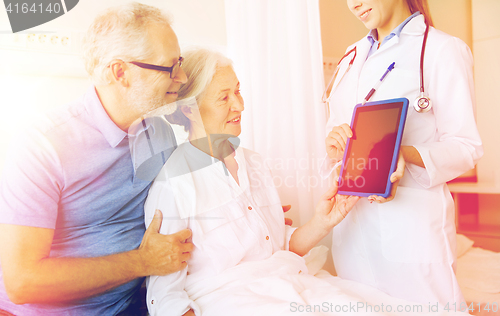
<point x="395" y="177"/>
<point x="333" y="208"/>
<point x="336" y="141"/>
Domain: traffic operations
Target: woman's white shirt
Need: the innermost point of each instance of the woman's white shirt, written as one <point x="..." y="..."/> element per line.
<point x="230" y="223"/>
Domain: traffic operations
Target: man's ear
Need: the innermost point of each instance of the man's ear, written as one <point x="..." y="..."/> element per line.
<point x="119" y="72"/>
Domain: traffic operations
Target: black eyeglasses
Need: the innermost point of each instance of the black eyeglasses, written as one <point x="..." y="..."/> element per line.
<point x="173" y="70"/>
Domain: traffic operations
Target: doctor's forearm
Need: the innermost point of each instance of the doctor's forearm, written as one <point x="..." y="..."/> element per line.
<point x="411" y="155"/>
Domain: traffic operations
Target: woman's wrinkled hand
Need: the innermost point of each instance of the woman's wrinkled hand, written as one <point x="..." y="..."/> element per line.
<point x="286" y="208"/>
<point x="333" y="208"/>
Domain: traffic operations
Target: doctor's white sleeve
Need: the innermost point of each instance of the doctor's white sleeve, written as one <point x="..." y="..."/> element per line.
<point x="166" y="294"/>
<point x="328" y="165"/>
<point x="457" y="146"/>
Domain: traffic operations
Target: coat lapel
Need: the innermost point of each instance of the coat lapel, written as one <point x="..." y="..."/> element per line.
<point x="363" y="47"/>
<point x="415" y="27"/>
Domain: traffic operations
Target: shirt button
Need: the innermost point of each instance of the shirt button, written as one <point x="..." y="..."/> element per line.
<point x="152" y="302"/>
<point x="267" y="237"/>
<point x="250" y="208"/>
<point x="300" y="271"/>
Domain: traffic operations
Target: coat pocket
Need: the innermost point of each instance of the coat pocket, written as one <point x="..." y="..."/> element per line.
<point x="412" y="227"/>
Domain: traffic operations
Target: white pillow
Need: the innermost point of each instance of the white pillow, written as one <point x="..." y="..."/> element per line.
<point x="463" y="245"/>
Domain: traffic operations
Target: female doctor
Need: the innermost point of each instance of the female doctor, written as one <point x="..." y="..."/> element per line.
<point x="405" y="244"/>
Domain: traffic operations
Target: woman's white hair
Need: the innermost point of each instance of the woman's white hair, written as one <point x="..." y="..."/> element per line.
<point x="119" y="33"/>
<point x="200" y="66"/>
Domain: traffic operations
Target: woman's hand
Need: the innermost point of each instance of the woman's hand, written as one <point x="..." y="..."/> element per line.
<point x="395" y="177"/>
<point x="333" y="208"/>
<point x="286" y="208"/>
<point x="336" y="140"/>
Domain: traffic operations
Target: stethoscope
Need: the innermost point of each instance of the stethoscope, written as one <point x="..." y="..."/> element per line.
<point x="422" y="104"/>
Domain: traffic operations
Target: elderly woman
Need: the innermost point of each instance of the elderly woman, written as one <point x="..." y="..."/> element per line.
<point x="245" y="261"/>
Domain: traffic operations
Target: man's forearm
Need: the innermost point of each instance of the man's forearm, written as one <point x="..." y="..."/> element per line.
<point x="54" y="280"/>
<point x="31" y="276"/>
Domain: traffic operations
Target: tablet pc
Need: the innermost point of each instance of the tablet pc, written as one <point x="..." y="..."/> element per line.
<point x="371" y="154"/>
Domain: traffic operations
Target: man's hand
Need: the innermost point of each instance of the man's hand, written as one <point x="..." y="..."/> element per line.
<point x="164" y="254"/>
<point x="31" y="276"/>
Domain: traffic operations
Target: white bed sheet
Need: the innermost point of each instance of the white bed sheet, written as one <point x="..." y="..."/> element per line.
<point x="285" y="285"/>
<point x="478" y="274"/>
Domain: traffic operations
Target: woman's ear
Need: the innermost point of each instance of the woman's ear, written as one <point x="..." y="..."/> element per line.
<point x="196" y="127"/>
<point x="193" y="114"/>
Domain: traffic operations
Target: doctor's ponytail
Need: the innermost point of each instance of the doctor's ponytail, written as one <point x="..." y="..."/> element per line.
<point x="423" y="7"/>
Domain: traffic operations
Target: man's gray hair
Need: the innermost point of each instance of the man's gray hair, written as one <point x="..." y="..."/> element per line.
<point x="200" y="66"/>
<point x="119" y="33"/>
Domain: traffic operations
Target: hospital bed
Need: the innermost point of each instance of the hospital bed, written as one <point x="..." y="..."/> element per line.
<point x="478" y="274"/>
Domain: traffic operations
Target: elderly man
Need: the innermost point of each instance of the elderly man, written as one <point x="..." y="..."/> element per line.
<point x="71" y="205"/>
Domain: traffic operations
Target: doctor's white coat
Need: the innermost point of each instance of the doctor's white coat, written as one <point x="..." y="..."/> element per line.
<point x="406" y="247"/>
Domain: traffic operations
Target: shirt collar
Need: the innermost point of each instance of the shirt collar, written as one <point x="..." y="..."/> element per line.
<point x="141" y="125"/>
<point x="113" y="134"/>
<point x="198" y="154"/>
<point x="396" y="32"/>
<point x="151" y="144"/>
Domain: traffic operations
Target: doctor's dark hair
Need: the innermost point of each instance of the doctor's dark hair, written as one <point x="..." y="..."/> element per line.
<point x="423" y="7"/>
<point x="200" y="66"/>
<point x="119" y="32"/>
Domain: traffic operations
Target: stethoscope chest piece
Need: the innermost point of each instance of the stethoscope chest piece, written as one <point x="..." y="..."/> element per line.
<point x="422" y="104"/>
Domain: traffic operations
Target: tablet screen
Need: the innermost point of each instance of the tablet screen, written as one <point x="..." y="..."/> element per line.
<point x="372" y="149"/>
